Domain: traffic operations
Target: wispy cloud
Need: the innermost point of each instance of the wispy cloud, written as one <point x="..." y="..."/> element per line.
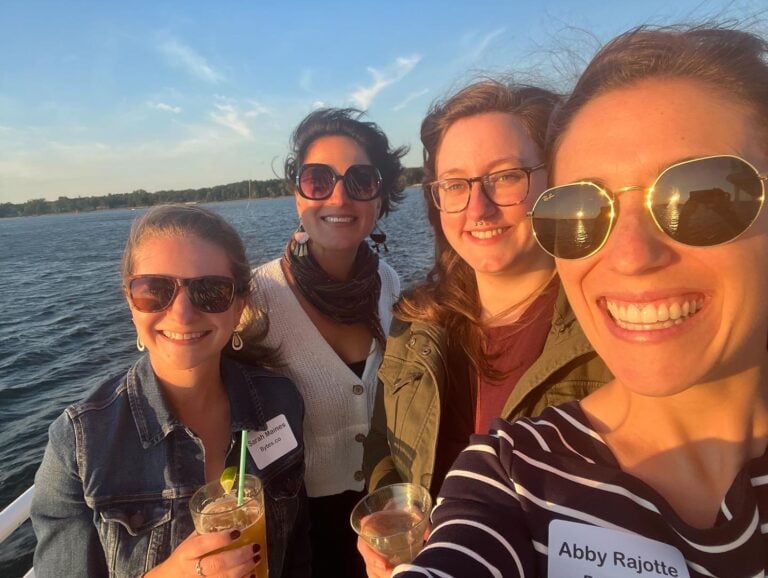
<point x="319" y="104"/>
<point x="410" y="98"/>
<point x="165" y="107"/>
<point x="236" y="115"/>
<point x="363" y="96"/>
<point x="305" y="80"/>
<point x="475" y="44"/>
<point x="257" y="109"/>
<point x="185" y="57"/>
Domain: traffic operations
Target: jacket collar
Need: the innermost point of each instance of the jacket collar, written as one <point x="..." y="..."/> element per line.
<point x="154" y="420"/>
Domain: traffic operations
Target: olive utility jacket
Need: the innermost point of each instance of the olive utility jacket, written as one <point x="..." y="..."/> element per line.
<point x="402" y="440"/>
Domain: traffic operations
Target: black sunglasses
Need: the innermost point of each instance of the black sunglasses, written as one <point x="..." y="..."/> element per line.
<point x="316" y="182"/>
<point x="155" y="293"/>
<point x="700" y="202"/>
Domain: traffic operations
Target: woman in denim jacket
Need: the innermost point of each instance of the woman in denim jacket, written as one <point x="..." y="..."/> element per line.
<point x="112" y="493"/>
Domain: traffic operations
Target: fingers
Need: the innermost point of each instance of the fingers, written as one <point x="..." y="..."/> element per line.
<point x="376" y="565"/>
<point x="198" y="545"/>
<point x="233" y="563"/>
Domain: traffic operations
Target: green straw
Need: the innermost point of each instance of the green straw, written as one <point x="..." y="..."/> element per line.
<point x="241" y="476"/>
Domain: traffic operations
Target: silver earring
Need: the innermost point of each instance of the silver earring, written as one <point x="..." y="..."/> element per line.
<point x="139" y="344"/>
<point x="237" y="341"/>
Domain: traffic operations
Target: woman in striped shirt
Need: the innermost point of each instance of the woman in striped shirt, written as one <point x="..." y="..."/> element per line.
<point x="659" y="158"/>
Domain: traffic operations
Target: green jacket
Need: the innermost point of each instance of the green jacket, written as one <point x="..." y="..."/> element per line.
<point x="412" y="380"/>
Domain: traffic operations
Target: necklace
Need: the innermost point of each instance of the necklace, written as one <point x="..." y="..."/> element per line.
<point x="495" y="319"/>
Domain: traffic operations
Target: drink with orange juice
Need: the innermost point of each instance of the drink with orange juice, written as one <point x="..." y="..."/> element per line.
<point x="214" y="508"/>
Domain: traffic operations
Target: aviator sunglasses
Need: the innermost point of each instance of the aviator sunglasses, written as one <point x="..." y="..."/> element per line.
<point x="700" y="202"/>
<point x="316" y="182"/>
<point x="155" y="293"/>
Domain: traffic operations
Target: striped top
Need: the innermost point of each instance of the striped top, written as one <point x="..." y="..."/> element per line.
<point x="492" y="517"/>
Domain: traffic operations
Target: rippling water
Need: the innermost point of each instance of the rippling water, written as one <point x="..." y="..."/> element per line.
<point x="65" y="327"/>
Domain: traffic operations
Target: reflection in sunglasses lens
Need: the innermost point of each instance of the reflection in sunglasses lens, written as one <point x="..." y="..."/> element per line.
<point x="210" y="294"/>
<point x="572" y="221"/>
<point x="150" y="294"/>
<point x="707" y="202"/>
<point x="316" y="181"/>
<point x="361" y="182"/>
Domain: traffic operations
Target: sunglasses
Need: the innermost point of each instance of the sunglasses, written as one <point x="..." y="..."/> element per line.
<point x="155" y="293"/>
<point x="700" y="202"/>
<point x="316" y="182"/>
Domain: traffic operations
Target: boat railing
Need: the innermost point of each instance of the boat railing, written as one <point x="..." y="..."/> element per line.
<point x="14" y="515"/>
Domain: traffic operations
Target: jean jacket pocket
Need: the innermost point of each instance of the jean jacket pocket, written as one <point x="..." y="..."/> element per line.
<point x="135" y="534"/>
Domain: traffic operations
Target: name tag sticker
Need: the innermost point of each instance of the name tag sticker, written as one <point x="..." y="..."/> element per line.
<point x="584" y="551"/>
<point x="272" y="443"/>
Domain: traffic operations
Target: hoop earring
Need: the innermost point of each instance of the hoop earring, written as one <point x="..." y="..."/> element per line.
<point x="299" y="246"/>
<point x="379" y="239"/>
<point x="237" y="341"/>
<point x="139" y="344"/>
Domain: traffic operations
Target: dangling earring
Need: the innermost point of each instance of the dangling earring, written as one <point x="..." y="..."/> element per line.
<point x="299" y="246"/>
<point x="139" y="344"/>
<point x="237" y="341"/>
<point x="379" y="239"/>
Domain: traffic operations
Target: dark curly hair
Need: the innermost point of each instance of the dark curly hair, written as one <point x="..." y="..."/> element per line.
<point x="346" y="122"/>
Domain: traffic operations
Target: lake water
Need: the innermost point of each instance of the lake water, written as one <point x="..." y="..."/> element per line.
<point x="65" y="326"/>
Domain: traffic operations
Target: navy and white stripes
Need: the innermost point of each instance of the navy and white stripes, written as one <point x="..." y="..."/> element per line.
<point x="494" y="510"/>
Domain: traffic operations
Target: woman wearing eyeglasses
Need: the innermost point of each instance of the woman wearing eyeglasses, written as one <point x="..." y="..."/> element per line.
<point x="489" y="332"/>
<point x="657" y="225"/>
<point x="112" y="493"/>
<point x="329" y="299"/>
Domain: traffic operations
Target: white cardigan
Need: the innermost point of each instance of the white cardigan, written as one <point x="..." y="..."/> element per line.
<point x="338" y="404"/>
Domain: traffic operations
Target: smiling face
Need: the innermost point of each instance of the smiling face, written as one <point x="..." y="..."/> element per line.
<point x="625" y="294"/>
<point x="338" y="223"/>
<point x="492" y="240"/>
<point x="181" y="338"/>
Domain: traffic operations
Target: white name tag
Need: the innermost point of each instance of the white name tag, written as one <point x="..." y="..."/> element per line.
<point x="272" y="443"/>
<point x="584" y="551"/>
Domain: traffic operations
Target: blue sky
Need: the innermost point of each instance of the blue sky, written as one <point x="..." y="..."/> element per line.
<point x="102" y="97"/>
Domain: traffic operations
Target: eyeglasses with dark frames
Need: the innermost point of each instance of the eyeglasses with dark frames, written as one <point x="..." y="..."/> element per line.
<point x="505" y="188"/>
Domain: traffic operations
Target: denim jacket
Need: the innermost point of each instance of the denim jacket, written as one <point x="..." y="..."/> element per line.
<point x="112" y="493"/>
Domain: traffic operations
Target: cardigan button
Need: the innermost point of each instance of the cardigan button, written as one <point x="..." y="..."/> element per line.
<point x="359" y="476"/>
<point x="357" y="389"/>
<point x="360" y="438"/>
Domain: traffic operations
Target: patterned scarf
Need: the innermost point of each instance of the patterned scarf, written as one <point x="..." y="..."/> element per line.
<point x="347" y="302"/>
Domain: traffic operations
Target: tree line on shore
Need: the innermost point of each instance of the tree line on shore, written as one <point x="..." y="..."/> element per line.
<point x="141" y="198"/>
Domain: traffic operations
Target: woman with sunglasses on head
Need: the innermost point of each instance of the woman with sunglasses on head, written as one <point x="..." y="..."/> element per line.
<point x="329" y="300"/>
<point x="489" y="332"/>
<point x="112" y="493"/>
<point x="657" y="225"/>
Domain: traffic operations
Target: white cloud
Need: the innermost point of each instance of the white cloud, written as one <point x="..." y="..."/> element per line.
<point x="319" y="104"/>
<point x="305" y="80"/>
<point x="408" y="99"/>
<point x="185" y="57"/>
<point x="257" y="109"/>
<point x="473" y="45"/>
<point x="165" y="107"/>
<point x="363" y="96"/>
<point x="228" y="115"/>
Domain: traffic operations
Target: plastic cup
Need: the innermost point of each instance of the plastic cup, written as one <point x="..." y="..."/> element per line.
<point x="393" y="520"/>
<point x="214" y="510"/>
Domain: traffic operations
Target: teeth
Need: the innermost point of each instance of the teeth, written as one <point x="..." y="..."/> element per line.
<point x="646" y="316"/>
<point x="182" y="336"/>
<point x="486" y="234"/>
<point x="338" y="219"/>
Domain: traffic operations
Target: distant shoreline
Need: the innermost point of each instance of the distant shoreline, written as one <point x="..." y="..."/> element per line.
<point x="138" y="199"/>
